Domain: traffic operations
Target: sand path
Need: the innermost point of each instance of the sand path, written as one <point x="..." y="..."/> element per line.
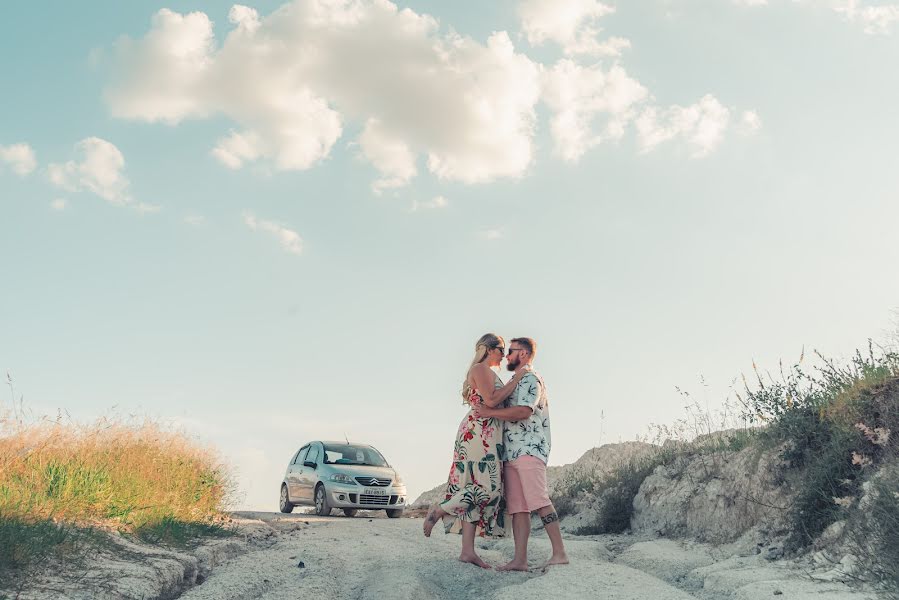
<point x="383" y="558"/>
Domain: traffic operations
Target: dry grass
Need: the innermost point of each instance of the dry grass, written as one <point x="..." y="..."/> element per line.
<point x="59" y="480"/>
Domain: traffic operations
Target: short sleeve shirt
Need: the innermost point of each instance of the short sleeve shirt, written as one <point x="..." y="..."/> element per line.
<point x="530" y="436"/>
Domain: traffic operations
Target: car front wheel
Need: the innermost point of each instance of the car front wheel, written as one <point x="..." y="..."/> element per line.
<point x="321" y="502"/>
<point x="394" y="513"/>
<point x="284" y="504"/>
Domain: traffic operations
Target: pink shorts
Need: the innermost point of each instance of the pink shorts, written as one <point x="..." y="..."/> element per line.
<point x="525" y="483"/>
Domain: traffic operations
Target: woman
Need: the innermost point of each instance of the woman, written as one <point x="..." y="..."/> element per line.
<point x="474" y="491"/>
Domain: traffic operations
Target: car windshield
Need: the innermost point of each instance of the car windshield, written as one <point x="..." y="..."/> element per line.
<point x="350" y="454"/>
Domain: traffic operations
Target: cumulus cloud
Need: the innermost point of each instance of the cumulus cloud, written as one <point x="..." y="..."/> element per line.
<point x="702" y="125"/>
<point x="580" y="96"/>
<point x="291" y="80"/>
<point x="59" y="204"/>
<point x="99" y="168"/>
<point x="875" y="20"/>
<point x="290" y="240"/>
<point x="572" y="24"/>
<point x="20" y="158"/>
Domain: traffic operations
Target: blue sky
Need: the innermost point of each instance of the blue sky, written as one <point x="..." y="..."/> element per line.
<point x="307" y="245"/>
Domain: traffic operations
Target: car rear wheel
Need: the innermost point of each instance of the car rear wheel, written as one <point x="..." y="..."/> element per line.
<point x="321" y="502"/>
<point x="350" y="512"/>
<point x="394" y="513"/>
<point x="284" y="504"/>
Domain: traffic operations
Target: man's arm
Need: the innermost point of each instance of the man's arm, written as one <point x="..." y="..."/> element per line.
<point x="513" y="413"/>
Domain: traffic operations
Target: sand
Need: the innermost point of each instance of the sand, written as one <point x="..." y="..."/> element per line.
<point x="372" y="557"/>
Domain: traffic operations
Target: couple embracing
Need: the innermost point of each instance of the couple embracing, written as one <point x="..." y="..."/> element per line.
<point x="500" y="455"/>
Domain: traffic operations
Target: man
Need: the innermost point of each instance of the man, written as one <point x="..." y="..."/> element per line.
<point x="527" y="441"/>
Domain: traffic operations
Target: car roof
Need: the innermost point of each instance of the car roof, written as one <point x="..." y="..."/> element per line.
<point x="344" y="443"/>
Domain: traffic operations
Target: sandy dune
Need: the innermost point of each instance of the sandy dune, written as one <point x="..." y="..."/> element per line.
<point x="388" y="558"/>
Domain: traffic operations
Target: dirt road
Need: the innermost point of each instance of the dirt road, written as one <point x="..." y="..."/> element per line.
<point x="383" y="559"/>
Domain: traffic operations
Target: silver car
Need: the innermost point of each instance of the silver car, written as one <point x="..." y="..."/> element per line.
<point x="342" y="475"/>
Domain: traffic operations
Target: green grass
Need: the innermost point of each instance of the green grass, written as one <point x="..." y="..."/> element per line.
<point x="62" y="484"/>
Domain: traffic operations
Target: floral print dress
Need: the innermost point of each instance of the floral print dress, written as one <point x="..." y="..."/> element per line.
<point x="474" y="490"/>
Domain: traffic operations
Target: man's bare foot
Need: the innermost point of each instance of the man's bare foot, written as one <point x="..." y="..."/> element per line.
<point x="431" y="520"/>
<point x="562" y="559"/>
<point x="514" y="566"/>
<point x="474" y="559"/>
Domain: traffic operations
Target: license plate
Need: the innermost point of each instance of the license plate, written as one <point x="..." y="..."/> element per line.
<point x="374" y="492"/>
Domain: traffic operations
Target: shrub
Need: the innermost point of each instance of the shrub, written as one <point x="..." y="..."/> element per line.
<point x="834" y="426"/>
<point x="614" y="501"/>
<point x="874" y="530"/>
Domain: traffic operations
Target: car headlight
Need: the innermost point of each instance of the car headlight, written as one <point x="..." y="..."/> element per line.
<point x="341" y="478"/>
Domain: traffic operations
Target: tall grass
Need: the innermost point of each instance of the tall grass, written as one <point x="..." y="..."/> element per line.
<point x="838" y="427"/>
<point x="60" y="480"/>
<point x="834" y="423"/>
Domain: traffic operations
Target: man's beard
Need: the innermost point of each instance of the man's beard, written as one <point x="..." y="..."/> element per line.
<point x="511" y="366"/>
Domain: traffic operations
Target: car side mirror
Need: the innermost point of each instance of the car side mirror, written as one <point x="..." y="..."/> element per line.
<point x="310" y="464"/>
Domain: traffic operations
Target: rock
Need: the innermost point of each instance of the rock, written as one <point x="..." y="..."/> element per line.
<point x="716" y="497"/>
<point x="302" y="565"/>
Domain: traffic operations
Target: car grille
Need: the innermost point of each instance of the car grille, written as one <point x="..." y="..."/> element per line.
<point x="373" y="481"/>
<point x="378" y="500"/>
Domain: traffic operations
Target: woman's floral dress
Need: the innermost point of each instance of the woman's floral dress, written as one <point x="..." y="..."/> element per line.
<point x="474" y="490"/>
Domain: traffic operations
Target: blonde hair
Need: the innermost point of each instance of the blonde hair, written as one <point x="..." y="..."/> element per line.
<point x="487" y="342"/>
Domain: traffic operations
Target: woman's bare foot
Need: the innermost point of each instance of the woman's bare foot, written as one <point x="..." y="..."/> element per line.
<point x="514" y="566"/>
<point x="562" y="559"/>
<point x="431" y="520"/>
<point x="474" y="559"/>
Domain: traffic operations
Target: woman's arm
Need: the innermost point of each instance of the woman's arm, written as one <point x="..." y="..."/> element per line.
<point x="483" y="378"/>
<point x="513" y="413"/>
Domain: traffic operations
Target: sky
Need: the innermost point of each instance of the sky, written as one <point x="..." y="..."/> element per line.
<point x="278" y="222"/>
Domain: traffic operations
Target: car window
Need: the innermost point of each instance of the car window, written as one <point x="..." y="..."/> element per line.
<point x="300" y="456"/>
<point x="313" y="453"/>
<point x="353" y="454"/>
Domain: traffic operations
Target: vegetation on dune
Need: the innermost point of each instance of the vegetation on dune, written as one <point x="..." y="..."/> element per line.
<point x="836" y="429"/>
<point x="60" y="484"/>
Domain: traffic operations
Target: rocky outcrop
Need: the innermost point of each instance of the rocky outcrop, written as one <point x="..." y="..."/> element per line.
<point x="713" y="497"/>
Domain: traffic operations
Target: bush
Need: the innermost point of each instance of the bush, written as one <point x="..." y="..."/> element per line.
<point x="874" y="530"/>
<point x="834" y="426"/>
<point x="615" y="500"/>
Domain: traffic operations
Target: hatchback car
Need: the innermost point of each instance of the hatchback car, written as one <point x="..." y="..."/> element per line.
<point x="349" y="476"/>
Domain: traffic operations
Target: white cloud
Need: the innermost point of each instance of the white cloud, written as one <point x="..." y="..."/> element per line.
<point x="750" y="123"/>
<point x="492" y="234"/>
<point x="392" y="157"/>
<point x="290" y="240"/>
<point x="290" y="80"/>
<point x="59" y="204"/>
<point x="702" y="125"/>
<point x="572" y="24"/>
<point x="98" y="168"/>
<point x="20" y="157"/>
<point x="875" y="20"/>
<point x="433" y="203"/>
<point x="578" y="96"/>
